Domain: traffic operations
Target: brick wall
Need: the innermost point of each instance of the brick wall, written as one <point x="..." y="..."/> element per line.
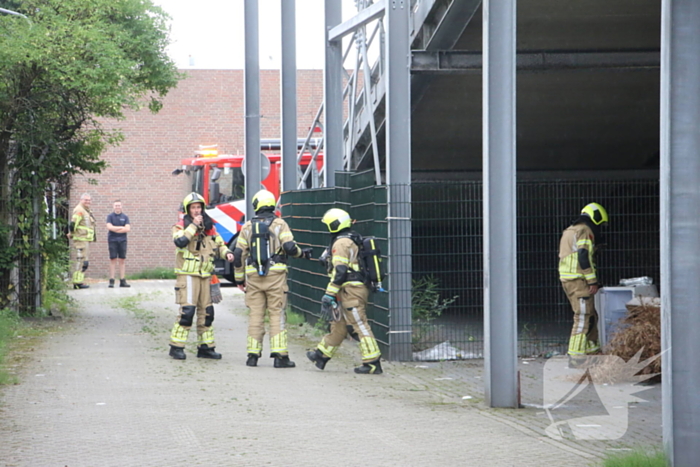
<point x="205" y="108"/>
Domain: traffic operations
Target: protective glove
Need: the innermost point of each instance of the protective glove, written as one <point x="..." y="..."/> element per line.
<point x="329" y="307"/>
<point x="306" y="253"/>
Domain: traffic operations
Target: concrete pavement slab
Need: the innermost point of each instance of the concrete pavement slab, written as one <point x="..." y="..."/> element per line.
<point x="105" y="393"/>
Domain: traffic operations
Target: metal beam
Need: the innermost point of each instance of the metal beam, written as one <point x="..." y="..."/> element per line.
<point x="455" y="61"/>
<point x="253" y="172"/>
<point x="680" y="249"/>
<point x="500" y="259"/>
<point x="333" y="97"/>
<point x="398" y="174"/>
<point x="448" y="31"/>
<point x="353" y="24"/>
<point x="288" y="93"/>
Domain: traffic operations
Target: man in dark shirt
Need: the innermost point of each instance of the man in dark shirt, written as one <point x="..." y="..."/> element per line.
<point x="118" y="226"/>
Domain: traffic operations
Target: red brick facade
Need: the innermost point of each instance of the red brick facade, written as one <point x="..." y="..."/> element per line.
<point x="205" y="108"/>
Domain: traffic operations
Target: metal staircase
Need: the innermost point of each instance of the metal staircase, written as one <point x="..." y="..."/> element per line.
<point x="435" y="25"/>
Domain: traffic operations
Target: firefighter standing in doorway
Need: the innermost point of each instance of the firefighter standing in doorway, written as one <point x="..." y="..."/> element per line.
<point x="577" y="272"/>
<point x="82" y="232"/>
<point x="197" y="244"/>
<point x="346" y="298"/>
<point x="261" y="253"/>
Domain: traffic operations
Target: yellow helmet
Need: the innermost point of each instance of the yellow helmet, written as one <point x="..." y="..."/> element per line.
<point x="190" y="199"/>
<point x="336" y="220"/>
<point x="263" y="199"/>
<point x="596" y="213"/>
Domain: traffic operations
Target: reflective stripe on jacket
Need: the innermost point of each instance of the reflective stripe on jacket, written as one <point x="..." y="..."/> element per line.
<point x="344" y="252"/>
<point x="575" y="238"/>
<point x="83" y="225"/>
<point x="197" y="257"/>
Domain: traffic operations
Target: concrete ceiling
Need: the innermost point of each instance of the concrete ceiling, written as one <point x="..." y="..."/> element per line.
<point x="567" y="119"/>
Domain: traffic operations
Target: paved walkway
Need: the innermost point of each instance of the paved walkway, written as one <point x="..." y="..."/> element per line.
<point x="103" y="392"/>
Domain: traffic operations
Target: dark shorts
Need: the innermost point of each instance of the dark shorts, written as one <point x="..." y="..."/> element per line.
<point x="117" y="250"/>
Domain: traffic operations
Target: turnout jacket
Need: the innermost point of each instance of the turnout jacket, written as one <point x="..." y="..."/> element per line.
<point x="345" y="267"/>
<point x="196" y="248"/>
<point x="83" y="225"/>
<point x="576" y="251"/>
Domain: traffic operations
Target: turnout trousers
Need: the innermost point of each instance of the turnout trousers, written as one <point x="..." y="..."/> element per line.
<point x="352" y="300"/>
<point x="81" y="261"/>
<point x="193" y="293"/>
<point x="584" y="332"/>
<point x="267" y="293"/>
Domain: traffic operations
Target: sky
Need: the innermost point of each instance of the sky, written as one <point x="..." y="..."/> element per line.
<point x="210" y="35"/>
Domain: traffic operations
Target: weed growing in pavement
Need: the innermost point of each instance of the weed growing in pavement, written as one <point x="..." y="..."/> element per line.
<point x="426" y="305"/>
<point x="132" y="305"/>
<point x="637" y="458"/>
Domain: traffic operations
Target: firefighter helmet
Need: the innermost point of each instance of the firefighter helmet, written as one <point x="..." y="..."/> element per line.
<point x="263" y="199"/>
<point x="190" y="199"/>
<point x="336" y="220"/>
<point x="596" y="213"/>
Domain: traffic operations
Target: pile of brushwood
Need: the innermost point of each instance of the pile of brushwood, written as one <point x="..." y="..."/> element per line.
<point x="638" y="336"/>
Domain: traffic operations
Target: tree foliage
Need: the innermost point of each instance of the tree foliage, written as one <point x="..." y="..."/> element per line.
<point x="71" y="64"/>
<point x="77" y="61"/>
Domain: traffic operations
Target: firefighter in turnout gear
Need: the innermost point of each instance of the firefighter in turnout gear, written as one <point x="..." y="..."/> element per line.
<point x="82" y="232"/>
<point x="345" y="298"/>
<point x="197" y="243"/>
<point x="578" y="275"/>
<point x="260" y="263"/>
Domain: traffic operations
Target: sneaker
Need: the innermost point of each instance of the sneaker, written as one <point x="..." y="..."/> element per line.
<point x="178" y="353"/>
<point x="318" y="358"/>
<point x="282" y="361"/>
<point x="370" y="368"/>
<point x="252" y="359"/>
<point x="111" y="284"/>
<point x="122" y="283"/>
<point x="207" y="352"/>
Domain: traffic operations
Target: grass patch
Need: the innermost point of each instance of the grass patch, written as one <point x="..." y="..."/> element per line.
<point x="637" y="458"/>
<point x="295" y="319"/>
<point x="9" y="325"/>
<point x="17" y="337"/>
<point x="156" y="273"/>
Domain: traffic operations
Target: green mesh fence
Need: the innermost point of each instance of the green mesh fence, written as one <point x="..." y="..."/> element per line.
<point x="447" y="255"/>
<point x="303" y="210"/>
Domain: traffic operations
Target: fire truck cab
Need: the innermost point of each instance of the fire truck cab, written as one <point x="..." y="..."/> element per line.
<point x="220" y="179"/>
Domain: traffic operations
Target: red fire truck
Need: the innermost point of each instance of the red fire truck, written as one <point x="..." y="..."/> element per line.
<point x="220" y="179"/>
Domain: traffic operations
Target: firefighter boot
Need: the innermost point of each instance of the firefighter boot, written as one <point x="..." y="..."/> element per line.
<point x="252" y="359"/>
<point x="370" y="368"/>
<point x="178" y="353"/>
<point x="207" y="352"/>
<point x="282" y="361"/>
<point x="111" y="284"/>
<point x="318" y="358"/>
<point x="122" y="283"/>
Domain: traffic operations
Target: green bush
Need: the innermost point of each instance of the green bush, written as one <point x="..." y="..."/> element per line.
<point x="426" y="302"/>
<point x="56" y="300"/>
<point x="426" y="305"/>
